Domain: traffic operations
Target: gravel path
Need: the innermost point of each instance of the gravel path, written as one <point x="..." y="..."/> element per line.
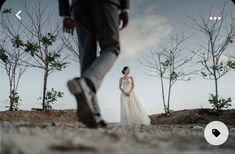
<point x="116" y="139"/>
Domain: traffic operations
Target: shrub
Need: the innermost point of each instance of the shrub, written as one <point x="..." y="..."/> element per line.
<point x="14" y="101"/>
<point x="219" y="104"/>
<point x="52" y="97"/>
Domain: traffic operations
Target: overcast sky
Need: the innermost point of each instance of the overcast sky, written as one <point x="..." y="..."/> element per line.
<point x="152" y="22"/>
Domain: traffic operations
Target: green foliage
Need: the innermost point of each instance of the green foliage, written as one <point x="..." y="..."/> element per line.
<point x="48" y="40"/>
<point x="3" y="55"/>
<point x="6" y="11"/>
<point x="58" y="65"/>
<point x="230" y="39"/>
<point x="204" y="74"/>
<point x="220" y="67"/>
<point x="14" y="100"/>
<point x="54" y="61"/>
<point x="219" y="104"/>
<point x="167" y="63"/>
<point x="52" y="57"/>
<point x="231" y="64"/>
<point x="17" y="42"/>
<point x="52" y="97"/>
<point x="173" y="75"/>
<point x="31" y="47"/>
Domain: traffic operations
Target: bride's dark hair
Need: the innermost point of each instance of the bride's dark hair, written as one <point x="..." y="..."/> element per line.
<point x="124" y="68"/>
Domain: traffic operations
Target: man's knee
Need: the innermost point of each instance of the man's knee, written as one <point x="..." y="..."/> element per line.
<point x="110" y="44"/>
<point x="113" y="49"/>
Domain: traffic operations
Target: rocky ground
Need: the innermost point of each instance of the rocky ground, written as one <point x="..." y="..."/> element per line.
<point x="59" y="136"/>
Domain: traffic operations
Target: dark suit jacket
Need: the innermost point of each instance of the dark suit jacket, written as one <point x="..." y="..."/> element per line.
<point x="65" y="7"/>
<point x="1" y="3"/>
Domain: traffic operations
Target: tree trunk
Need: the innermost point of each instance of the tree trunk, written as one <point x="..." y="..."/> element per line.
<point x="163" y="95"/>
<point x="216" y="92"/>
<point x="10" y="90"/>
<point x="169" y="91"/>
<point x="44" y="87"/>
<point x="215" y="79"/>
<point x="162" y="85"/>
<point x="169" y="96"/>
<point x="11" y="98"/>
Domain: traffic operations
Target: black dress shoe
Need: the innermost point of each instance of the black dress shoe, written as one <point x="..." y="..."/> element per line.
<point x="88" y="109"/>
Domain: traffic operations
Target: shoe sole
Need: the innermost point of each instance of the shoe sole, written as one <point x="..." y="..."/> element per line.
<point x="84" y="111"/>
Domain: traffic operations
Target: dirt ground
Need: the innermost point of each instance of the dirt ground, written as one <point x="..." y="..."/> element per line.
<point x="39" y="117"/>
<point x="194" y="116"/>
<point x="59" y="132"/>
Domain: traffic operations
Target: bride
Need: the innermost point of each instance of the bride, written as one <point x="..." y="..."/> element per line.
<point x="132" y="111"/>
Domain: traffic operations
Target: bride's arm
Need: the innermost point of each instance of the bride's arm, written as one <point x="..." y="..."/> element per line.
<point x="132" y="84"/>
<point x="120" y="85"/>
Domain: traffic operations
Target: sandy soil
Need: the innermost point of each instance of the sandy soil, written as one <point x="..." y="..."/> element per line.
<point x="56" y="133"/>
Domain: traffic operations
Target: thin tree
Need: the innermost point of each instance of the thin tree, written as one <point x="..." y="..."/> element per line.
<point x="168" y="62"/>
<point x="219" y="35"/>
<point x="40" y="39"/>
<point x="11" y="60"/>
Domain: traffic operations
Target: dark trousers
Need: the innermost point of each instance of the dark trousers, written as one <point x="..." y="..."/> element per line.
<point x="97" y="23"/>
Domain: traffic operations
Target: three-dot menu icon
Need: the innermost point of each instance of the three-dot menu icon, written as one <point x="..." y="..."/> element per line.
<point x="215" y="18"/>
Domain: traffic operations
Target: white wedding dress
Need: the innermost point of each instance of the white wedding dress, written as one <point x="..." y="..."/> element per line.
<point x="132" y="111"/>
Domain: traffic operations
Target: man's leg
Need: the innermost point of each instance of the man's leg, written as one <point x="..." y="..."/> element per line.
<point x="88" y="109"/>
<point x="106" y="24"/>
<point x="86" y="36"/>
